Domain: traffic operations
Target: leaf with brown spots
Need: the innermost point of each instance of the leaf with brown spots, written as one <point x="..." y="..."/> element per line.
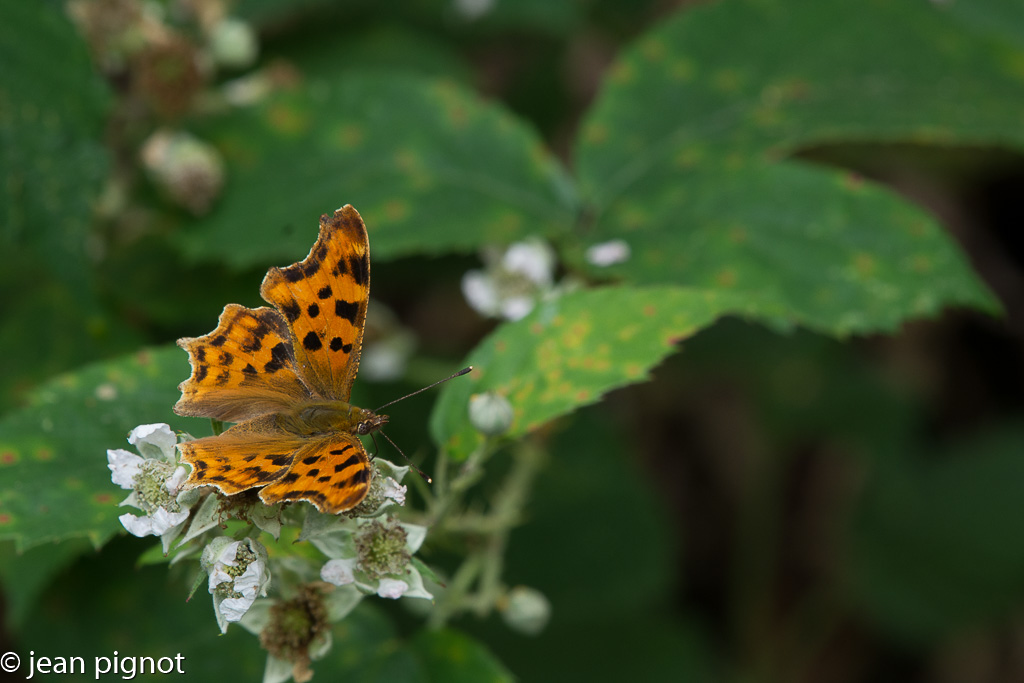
<point x="285" y="375"/>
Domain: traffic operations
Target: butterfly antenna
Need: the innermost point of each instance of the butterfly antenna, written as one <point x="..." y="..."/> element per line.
<point x="460" y="373"/>
<point x="421" y="472"/>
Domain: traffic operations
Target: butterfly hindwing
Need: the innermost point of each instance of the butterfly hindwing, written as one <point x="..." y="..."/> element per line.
<point x="250" y="454"/>
<point x="332" y="473"/>
<point x="244" y="368"/>
<point x="324" y="298"/>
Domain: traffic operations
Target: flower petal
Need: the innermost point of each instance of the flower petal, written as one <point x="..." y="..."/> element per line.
<point x="393" y="490"/>
<point x="532" y="258"/>
<point x="608" y="253"/>
<point x="480" y="293"/>
<point x="124" y="467"/>
<point x="339" y="572"/>
<point x="137" y="526"/>
<point x="155" y="441"/>
<point x="164" y="520"/>
<point x="392" y="588"/>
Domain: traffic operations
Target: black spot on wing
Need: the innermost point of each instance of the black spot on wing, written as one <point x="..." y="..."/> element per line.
<point x="313" y="310"/>
<point x="347" y="310"/>
<point x="338" y="345"/>
<point x="325" y="292"/>
<point x="352" y="460"/>
<point x="292" y="311"/>
<point x="359" y="266"/>
<point x="311" y="342"/>
<point x="279" y="355"/>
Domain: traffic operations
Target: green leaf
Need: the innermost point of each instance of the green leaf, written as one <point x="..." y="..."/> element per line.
<point x="429" y="165"/>
<point x="52" y="110"/>
<point x="936" y="545"/>
<point x="447" y="656"/>
<point x="26" y="575"/>
<point x="55" y="483"/>
<point x="1003" y="18"/>
<point x="569" y="352"/>
<point x="683" y="154"/>
<point x="320" y="53"/>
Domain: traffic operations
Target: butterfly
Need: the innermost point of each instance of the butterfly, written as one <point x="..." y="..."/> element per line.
<point x="284" y="375"/>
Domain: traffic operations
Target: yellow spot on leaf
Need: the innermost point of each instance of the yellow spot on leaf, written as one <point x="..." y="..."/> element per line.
<point x="681" y="69"/>
<point x="688" y="157"/>
<point x="595" y="133"/>
<point x="622" y="73"/>
<point x="8" y="457"/>
<point x="634" y="216"/>
<point x="406" y="160"/>
<point x="727" y="80"/>
<point x="653" y="49"/>
<point x="634" y="370"/>
<point x="396" y="210"/>
<point x="348" y="136"/>
<point x="44" y="454"/>
<point x="921" y="263"/>
<point x="287" y="120"/>
<point x="864" y="264"/>
<point x="726" y="278"/>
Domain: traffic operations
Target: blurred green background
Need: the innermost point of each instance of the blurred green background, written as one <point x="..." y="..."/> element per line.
<point x="823" y="485"/>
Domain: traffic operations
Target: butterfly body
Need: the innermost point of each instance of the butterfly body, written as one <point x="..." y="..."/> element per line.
<point x="284" y="375"/>
<point x="322" y="417"/>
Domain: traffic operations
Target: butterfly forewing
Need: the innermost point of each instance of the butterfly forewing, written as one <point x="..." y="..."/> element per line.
<point x="323" y="299"/>
<point x="242" y="369"/>
<point x="333" y="473"/>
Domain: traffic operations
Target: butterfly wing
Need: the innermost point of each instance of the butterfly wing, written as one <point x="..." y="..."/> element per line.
<point x="323" y="298"/>
<point x="249" y="454"/>
<point x="244" y="368"/>
<point x="332" y="473"/>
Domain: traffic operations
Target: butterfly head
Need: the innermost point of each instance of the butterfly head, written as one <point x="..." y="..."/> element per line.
<point x="370" y="421"/>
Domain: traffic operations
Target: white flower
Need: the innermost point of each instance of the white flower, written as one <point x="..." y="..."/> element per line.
<point x="238" y="575"/>
<point x="513" y="282"/>
<point x="490" y="413"/>
<point x="533" y="259"/>
<point x="608" y="253"/>
<point x="376" y="558"/>
<point x="392" y="490"/>
<point x="155" y="480"/>
<point x="472" y="10"/>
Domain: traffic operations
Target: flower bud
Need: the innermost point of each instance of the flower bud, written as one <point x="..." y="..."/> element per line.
<point x="233" y="44"/>
<point x="186" y="169"/>
<point x="490" y="413"/>
<point x="526" y="610"/>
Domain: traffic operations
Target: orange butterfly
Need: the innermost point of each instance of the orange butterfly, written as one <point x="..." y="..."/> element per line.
<point x="284" y="375"/>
